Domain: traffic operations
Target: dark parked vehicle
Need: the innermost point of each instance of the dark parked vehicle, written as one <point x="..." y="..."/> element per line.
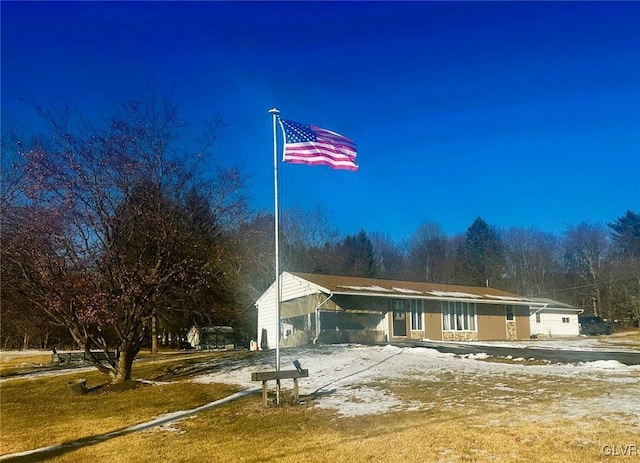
<point x="591" y="326"/>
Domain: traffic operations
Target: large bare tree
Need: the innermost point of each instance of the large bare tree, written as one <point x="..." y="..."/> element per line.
<point x="531" y="259"/>
<point x="102" y="236"/>
<point x="585" y="249"/>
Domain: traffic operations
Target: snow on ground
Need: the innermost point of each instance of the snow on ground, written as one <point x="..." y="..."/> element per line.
<point x="350" y="378"/>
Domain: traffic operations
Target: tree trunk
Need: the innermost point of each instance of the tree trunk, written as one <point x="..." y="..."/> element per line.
<point x="122" y="372"/>
<point x="154" y="331"/>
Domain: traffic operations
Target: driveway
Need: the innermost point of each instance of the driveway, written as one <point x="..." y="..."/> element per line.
<point x="550" y="354"/>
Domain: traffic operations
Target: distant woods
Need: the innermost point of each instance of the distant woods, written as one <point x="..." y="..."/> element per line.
<point x="123" y="234"/>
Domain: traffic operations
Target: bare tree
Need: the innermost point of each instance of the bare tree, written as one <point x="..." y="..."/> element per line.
<point x="585" y="247"/>
<point x="305" y="237"/>
<point x="429" y="256"/>
<point x="103" y="236"/>
<point x="391" y="259"/>
<point x="531" y="257"/>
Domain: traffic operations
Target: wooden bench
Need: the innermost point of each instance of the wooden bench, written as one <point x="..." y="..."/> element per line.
<point x="266" y="376"/>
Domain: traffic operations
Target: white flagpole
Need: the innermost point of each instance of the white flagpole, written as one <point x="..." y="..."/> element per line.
<point x="275" y="113"/>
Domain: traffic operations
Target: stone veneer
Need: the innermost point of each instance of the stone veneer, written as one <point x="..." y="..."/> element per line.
<point x="459" y="336"/>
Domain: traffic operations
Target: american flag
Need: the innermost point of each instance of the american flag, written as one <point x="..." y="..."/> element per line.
<point x="307" y="144"/>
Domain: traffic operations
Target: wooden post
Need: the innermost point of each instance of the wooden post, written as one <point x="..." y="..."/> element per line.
<point x="266" y="376"/>
<point x="265" y="393"/>
<point x="296" y="394"/>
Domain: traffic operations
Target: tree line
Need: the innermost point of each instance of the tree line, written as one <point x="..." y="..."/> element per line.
<point x="122" y="234"/>
<point x="592" y="266"/>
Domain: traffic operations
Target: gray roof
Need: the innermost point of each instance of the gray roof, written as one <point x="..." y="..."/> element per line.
<point x="551" y="304"/>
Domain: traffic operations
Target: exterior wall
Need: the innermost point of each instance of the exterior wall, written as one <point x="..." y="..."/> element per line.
<point x="492" y="324"/>
<point x="523" y="330"/>
<point x="551" y="324"/>
<point x="459" y="336"/>
<point x="267" y="321"/>
<point x="432" y="320"/>
<point x="291" y="288"/>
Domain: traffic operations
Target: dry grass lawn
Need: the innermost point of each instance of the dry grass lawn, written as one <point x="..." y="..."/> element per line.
<point x="448" y="419"/>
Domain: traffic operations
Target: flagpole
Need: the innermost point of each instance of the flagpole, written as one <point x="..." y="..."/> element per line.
<point x="275" y="113"/>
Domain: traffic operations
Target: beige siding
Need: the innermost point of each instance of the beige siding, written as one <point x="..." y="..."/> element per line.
<point x="433" y="320"/>
<point x="492" y="324"/>
<point x="523" y="326"/>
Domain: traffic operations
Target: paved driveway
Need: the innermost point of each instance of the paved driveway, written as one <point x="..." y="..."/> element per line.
<point x="552" y="355"/>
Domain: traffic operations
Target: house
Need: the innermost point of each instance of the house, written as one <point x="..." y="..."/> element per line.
<point x="333" y="308"/>
<point x="211" y="338"/>
<point x="552" y="318"/>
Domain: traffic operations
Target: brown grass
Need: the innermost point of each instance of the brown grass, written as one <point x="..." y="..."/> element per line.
<point x="458" y="418"/>
<point x="12" y="364"/>
<point x="629" y="338"/>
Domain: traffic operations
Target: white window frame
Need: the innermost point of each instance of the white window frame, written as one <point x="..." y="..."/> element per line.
<point x="566" y="320"/>
<point x="459" y="316"/>
<point x="417" y="315"/>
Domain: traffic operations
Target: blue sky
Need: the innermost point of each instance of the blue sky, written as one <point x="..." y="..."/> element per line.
<point x="524" y="113"/>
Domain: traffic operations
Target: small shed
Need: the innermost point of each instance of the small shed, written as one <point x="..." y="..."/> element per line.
<point x="554" y="319"/>
<point x="212" y="338"/>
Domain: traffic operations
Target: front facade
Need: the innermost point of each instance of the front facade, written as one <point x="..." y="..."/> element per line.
<point x="554" y="319"/>
<point x="332" y="308"/>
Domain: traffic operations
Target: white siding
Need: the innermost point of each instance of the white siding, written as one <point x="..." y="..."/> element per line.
<point x="551" y="323"/>
<point x="267" y="321"/>
<point x="291" y="287"/>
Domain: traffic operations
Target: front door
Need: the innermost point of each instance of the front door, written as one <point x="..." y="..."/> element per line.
<point x="399" y="319"/>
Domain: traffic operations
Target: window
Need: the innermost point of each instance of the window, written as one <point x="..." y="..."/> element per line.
<point x="458" y="316"/>
<point x="538" y="317"/>
<point x="510" y="313"/>
<point x="416" y="314"/>
<point x="565" y="319"/>
<point x="399" y="309"/>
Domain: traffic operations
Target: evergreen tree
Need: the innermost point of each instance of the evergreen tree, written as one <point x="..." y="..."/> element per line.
<point x="480" y="260"/>
<point x="625" y="234"/>
<point x="360" y="259"/>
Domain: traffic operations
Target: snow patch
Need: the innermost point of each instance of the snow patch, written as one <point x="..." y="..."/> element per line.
<point x="604" y="365"/>
<point x="350" y="379"/>
<point x="454" y="294"/>
<point x="366" y="288"/>
<point x="406" y="291"/>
